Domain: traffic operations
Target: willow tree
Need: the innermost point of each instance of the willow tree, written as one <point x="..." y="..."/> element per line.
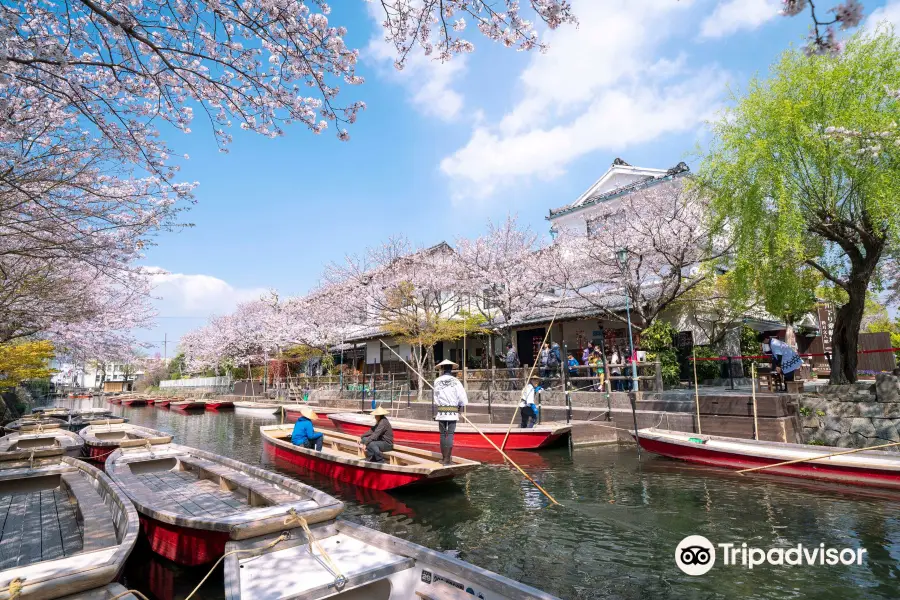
<point x="804" y="172"/>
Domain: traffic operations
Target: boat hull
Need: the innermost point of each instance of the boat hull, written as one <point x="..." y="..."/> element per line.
<point x="210" y="405"/>
<point x="374" y="479"/>
<point x="519" y="439"/>
<point x="135" y="402"/>
<point x="698" y="454"/>
<point x="183" y="545"/>
<point x="163" y="403"/>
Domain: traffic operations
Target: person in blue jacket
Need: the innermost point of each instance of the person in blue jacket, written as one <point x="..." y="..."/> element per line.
<point x="304" y="434"/>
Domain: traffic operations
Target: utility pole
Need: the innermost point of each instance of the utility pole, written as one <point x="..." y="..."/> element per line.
<point x="165" y="348"/>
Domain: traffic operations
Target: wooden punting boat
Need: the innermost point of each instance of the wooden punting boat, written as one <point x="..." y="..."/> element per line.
<point x="359" y="563"/>
<point x="192" y="502"/>
<point x="79" y="423"/>
<point x="102" y="438"/>
<point x="323" y="414"/>
<point x="68" y="528"/>
<point x="260" y="409"/>
<point x="871" y="468"/>
<point x="163" y="402"/>
<point x="411" y="431"/>
<point x="218" y="404"/>
<point x="35" y="438"/>
<point x="59" y="412"/>
<point x="91" y="413"/>
<point x="37" y="422"/>
<point x="342" y="458"/>
<point x="188" y="405"/>
<point x="134" y="402"/>
<point x="115" y="400"/>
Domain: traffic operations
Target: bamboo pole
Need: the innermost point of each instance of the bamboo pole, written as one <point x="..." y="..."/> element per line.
<point x="753" y="394"/>
<point x="502" y="453"/>
<point x="800" y="460"/>
<point x="696" y="391"/>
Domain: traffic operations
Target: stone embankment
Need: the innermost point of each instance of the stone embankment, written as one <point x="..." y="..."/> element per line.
<point x="853" y="416"/>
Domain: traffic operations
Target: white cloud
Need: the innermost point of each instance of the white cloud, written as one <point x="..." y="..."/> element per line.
<point x="428" y="81"/>
<point x="603" y="86"/>
<point x="889" y="12"/>
<point x="731" y="16"/>
<point x="198" y="295"/>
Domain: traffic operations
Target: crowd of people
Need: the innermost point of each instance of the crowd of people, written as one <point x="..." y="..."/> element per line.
<point x="587" y="374"/>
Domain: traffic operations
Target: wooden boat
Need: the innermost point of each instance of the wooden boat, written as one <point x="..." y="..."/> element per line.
<point x="362" y="564"/>
<point x="59" y="412"/>
<point x="102" y="438"/>
<point x="218" y="404"/>
<point x="28" y="422"/>
<point x="92" y="413"/>
<point x="342" y="458"/>
<point x="113" y="591"/>
<point x="33" y="438"/>
<point x="872" y="468"/>
<point x="260" y="409"/>
<point x="191" y="502"/>
<point x="188" y="405"/>
<point x="134" y="401"/>
<point x="68" y="528"/>
<point x="163" y="402"/>
<point x="79" y="423"/>
<point x="323" y="413"/>
<point x="412" y="431"/>
<point x="115" y="400"/>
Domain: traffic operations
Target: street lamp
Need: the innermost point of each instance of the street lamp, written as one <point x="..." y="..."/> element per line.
<point x="623" y="258"/>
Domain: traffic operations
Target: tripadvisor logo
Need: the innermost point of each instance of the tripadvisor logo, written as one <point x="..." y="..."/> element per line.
<point x="696" y="555"/>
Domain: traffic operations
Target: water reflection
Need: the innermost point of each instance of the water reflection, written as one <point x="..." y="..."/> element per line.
<point x="614" y="536"/>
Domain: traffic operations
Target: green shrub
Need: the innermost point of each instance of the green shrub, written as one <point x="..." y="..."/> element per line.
<point x="707" y="369"/>
<point x="658" y="341"/>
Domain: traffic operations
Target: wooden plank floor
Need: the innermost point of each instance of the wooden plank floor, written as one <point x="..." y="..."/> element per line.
<point x="196" y="497"/>
<point x="37" y="526"/>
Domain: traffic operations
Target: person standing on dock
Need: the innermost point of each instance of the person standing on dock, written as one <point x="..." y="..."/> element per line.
<point x="449" y="398"/>
<point x="527" y="407"/>
<point x="380" y="438"/>
<point x="304" y="433"/>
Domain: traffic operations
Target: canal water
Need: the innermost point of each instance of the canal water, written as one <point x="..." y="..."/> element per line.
<point x="613" y="538"/>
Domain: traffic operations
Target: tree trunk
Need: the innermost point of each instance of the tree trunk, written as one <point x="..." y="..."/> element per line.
<point x="845" y="336"/>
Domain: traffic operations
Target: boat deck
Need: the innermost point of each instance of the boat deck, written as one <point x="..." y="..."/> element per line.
<point x="37" y="526"/>
<point x="183" y="492"/>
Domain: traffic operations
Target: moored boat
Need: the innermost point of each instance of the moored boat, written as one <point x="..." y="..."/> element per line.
<point x="102" y="438"/>
<point x="357" y="563"/>
<point x="342" y="458"/>
<point x="91" y="413"/>
<point x="115" y="400"/>
<point x="871" y="468"/>
<point x="68" y="528"/>
<point x="218" y="404"/>
<point x="323" y="413"/>
<point x="59" y="412"/>
<point x="163" y="402"/>
<point x="134" y="401"/>
<point x="40" y="438"/>
<point x="36" y="422"/>
<point x="261" y="409"/>
<point x="411" y="431"/>
<point x="187" y="405"/>
<point x="191" y="502"/>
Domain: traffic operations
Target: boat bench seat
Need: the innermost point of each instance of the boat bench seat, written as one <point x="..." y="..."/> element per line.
<point x="99" y="530"/>
<point x="270" y="492"/>
<point x="409" y="458"/>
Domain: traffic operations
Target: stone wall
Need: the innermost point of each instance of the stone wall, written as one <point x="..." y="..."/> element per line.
<point x="853" y="416"/>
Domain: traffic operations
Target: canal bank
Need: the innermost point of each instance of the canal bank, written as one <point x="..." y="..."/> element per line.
<point x="614" y="537"/>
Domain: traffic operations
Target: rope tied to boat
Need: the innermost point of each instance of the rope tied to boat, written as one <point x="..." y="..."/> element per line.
<point x="340" y="580"/>
<point x="15" y="588"/>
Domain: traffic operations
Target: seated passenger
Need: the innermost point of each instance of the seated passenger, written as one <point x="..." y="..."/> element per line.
<point x="380" y="438"/>
<point x="304" y="434"/>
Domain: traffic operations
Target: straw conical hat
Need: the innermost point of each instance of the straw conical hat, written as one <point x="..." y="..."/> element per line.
<point x="307" y="412"/>
<point x="379" y="412"/>
<point x="447" y="363"/>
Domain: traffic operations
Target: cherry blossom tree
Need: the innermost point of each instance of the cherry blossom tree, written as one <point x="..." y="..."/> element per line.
<point x="408" y="292"/>
<point x="665" y="238"/>
<point x="505" y="272"/>
<point x="822" y="37"/>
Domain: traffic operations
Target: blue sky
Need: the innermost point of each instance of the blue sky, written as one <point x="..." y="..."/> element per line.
<point x="444" y="148"/>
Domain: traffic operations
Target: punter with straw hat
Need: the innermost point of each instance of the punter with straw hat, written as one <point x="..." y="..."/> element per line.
<point x="380" y="438"/>
<point x="449" y="398"/>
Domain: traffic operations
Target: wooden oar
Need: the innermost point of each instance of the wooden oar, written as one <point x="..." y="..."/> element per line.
<point x="800" y="460"/>
<point x="502" y="453"/>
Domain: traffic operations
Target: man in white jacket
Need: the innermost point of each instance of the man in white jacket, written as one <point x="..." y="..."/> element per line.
<point x="449" y="398"/>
